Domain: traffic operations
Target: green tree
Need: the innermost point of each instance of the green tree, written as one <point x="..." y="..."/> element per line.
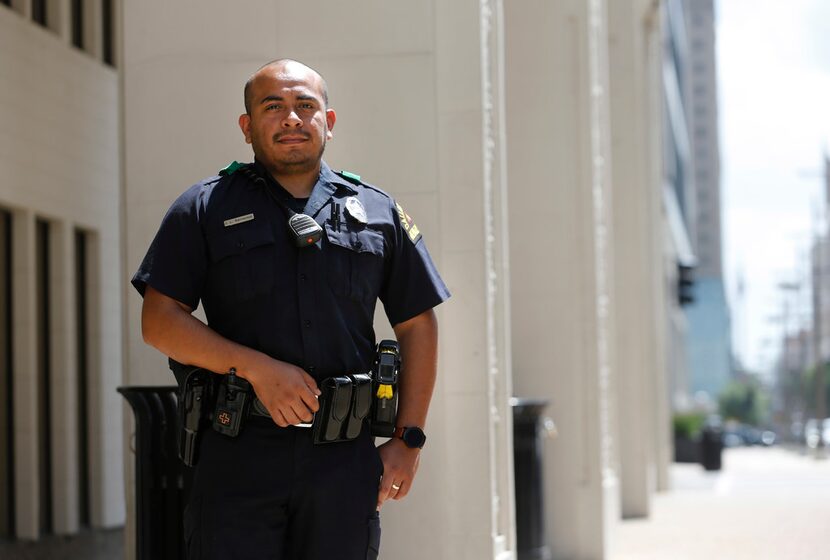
<point x="745" y="401"/>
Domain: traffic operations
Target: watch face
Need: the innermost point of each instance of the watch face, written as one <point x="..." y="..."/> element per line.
<point x="414" y="437"/>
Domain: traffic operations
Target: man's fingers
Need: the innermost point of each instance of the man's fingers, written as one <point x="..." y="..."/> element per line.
<point x="392" y="490"/>
<point x="401" y="491"/>
<point x="383" y="495"/>
<point x="309" y="399"/>
<point x="311" y="383"/>
<point x="279" y="419"/>
<point x="291" y="416"/>
<point x="303" y="413"/>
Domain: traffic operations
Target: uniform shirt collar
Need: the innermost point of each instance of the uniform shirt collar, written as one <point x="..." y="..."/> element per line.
<point x="327" y="184"/>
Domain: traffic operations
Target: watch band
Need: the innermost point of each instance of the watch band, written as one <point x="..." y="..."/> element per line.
<point x="412" y="436"/>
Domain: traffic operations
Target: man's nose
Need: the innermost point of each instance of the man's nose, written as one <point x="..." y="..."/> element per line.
<point x="291" y="119"/>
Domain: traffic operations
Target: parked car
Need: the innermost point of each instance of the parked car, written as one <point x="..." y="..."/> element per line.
<point x="815" y="429"/>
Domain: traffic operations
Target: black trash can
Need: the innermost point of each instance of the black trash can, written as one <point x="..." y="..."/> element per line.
<point x="528" y="438"/>
<point x="711" y="448"/>
<point x="162" y="481"/>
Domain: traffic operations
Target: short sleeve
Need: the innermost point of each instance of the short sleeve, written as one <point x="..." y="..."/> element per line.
<point x="176" y="262"/>
<point x="412" y="284"/>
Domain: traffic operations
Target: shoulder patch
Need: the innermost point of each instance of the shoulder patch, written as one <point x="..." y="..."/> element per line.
<point x="231" y="168"/>
<point x="408" y="225"/>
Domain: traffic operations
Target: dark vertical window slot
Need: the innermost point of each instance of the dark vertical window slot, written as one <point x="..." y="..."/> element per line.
<point x="7" y="528"/>
<point x="82" y="328"/>
<point x="6" y="2"/>
<point x="78" y="23"/>
<point x="39" y="12"/>
<point x="107" y="29"/>
<point x="44" y="377"/>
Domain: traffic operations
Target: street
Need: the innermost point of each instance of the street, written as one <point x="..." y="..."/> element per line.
<point x="766" y="503"/>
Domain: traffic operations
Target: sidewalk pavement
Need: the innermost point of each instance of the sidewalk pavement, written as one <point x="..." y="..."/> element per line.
<point x="766" y="504"/>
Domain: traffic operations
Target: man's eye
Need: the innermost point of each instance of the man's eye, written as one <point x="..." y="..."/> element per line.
<point x="272" y="107"/>
<point x="306" y="106"/>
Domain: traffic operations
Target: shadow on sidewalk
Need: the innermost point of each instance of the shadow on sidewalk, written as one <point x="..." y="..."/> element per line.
<point x="87" y="545"/>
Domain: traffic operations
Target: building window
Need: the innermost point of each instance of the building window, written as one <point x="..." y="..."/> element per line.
<point x="44" y="384"/>
<point x="39" y="12"/>
<point x="7" y="528"/>
<point x="107" y="27"/>
<point x="78" y="23"/>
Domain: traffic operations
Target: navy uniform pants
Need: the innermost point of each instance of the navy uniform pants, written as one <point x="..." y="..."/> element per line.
<point x="271" y="494"/>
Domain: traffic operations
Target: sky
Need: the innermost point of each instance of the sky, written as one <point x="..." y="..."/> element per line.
<point x="773" y="61"/>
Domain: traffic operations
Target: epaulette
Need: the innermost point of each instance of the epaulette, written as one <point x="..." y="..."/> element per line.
<point x="349" y="176"/>
<point x="231" y="168"/>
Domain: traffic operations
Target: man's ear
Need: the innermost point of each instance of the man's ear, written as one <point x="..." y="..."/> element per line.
<point x="331" y="118"/>
<point x="245" y="126"/>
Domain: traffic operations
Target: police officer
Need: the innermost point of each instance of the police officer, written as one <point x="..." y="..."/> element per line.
<point x="285" y="318"/>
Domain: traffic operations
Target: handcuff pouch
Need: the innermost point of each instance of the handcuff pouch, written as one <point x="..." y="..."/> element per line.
<point x="335" y="403"/>
<point x="361" y="404"/>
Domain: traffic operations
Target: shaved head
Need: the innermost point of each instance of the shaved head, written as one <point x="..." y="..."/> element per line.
<point x="276" y="65"/>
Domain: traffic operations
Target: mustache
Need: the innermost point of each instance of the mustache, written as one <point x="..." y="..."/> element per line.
<point x="279" y="136"/>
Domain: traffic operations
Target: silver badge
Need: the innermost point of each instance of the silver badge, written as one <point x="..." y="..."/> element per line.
<point x="355" y="209"/>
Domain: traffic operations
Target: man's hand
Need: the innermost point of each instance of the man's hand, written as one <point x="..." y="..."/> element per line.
<point x="288" y="392"/>
<point x="400" y="463"/>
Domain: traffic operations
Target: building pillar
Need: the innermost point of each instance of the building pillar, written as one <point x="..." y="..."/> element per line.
<point x="107" y="439"/>
<point x="478" y="516"/>
<point x="25" y="367"/>
<point x="63" y="367"/>
<point x="634" y="105"/>
<point x="561" y="257"/>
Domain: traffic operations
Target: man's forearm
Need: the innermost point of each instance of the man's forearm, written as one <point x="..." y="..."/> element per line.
<point x="168" y="326"/>
<point x="418" y="339"/>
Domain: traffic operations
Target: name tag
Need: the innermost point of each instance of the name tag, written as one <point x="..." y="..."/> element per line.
<point x="239" y="220"/>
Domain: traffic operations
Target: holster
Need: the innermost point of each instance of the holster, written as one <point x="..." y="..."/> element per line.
<point x="195" y="407"/>
<point x="205" y="399"/>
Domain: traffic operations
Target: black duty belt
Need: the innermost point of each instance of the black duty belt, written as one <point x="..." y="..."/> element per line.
<point x="345" y="402"/>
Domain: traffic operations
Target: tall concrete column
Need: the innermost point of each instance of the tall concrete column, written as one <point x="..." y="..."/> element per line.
<point x="63" y="367"/>
<point x="25" y="366"/>
<point x="476" y="345"/>
<point x="658" y="353"/>
<point x="634" y="104"/>
<point x="561" y="258"/>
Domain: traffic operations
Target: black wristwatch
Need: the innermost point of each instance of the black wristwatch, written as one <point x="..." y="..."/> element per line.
<point x="412" y="436"/>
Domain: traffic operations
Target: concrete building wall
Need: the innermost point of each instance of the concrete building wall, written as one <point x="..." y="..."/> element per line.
<point x="709" y="341"/>
<point x="60" y="165"/>
<point x="702" y="111"/>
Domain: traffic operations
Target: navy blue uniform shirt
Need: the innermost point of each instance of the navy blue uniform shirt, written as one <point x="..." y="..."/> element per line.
<point x="225" y="242"/>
